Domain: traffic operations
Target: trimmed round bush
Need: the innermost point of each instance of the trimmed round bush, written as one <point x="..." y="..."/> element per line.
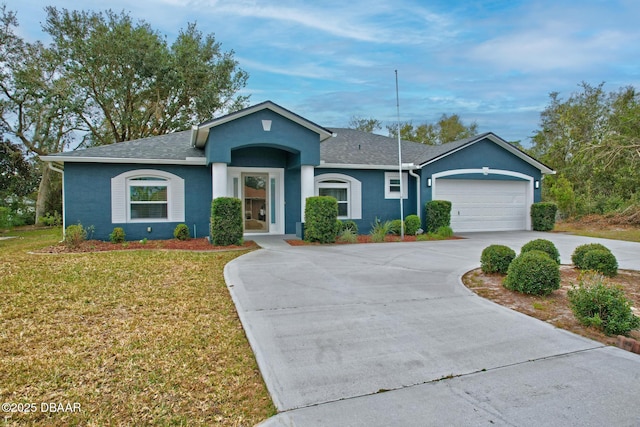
<point x="533" y="272"/>
<point x="181" y="232"/>
<point x="602" y="261"/>
<point x="496" y="259"/>
<point x="604" y="307"/>
<point x="578" y="254"/>
<point x="411" y="224"/>
<point x="543" y="245"/>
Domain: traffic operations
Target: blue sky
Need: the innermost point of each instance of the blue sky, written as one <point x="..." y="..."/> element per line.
<point x="493" y="62"/>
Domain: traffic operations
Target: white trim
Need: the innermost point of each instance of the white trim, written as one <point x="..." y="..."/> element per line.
<point x="307" y="187"/>
<point x="120" y="203"/>
<point x="488" y="171"/>
<point x="405" y="166"/>
<point x="278" y="174"/>
<point x="502" y="143"/>
<point x="354" y="191"/>
<point x="219" y="178"/>
<point x="388" y="194"/>
<point x="190" y="161"/>
<point x="201" y="137"/>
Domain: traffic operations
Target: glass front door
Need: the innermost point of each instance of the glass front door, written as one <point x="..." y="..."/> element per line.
<point x="255" y="202"/>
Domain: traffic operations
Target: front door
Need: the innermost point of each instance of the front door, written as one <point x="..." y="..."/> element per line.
<point x="255" y="197"/>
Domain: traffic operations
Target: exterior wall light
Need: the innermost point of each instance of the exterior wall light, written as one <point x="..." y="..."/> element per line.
<point x="537" y="184"/>
<point x="428" y="182"/>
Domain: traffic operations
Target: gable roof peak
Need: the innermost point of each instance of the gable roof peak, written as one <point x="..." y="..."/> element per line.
<point x="199" y="132"/>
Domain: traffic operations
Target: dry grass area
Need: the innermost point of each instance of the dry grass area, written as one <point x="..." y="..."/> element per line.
<point x="131" y="337"/>
<point x="622" y="226"/>
<point x="553" y="308"/>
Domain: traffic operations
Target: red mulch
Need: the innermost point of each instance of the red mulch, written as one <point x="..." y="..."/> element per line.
<point x="201" y="244"/>
<point x="365" y="238"/>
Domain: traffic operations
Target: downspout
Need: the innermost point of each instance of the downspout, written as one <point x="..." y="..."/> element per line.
<point x="61" y="172"/>
<point x="418" y="204"/>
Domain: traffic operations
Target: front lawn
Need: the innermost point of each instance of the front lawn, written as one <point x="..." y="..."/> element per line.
<point x="131" y="338"/>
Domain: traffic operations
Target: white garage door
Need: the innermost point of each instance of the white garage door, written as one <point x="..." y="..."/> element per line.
<point x="484" y="205"/>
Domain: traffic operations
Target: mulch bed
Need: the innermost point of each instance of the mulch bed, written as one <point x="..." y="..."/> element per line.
<point x="201" y="244"/>
<point x="365" y="238"/>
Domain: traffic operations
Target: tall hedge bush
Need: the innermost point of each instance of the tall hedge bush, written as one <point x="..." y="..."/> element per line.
<point x="226" y="221"/>
<point x="438" y="214"/>
<point x="543" y="216"/>
<point x="321" y="214"/>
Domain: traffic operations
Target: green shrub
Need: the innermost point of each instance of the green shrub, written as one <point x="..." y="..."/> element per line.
<point x="350" y="225"/>
<point x="181" y="232"/>
<point x="5" y="217"/>
<point x="543" y="245"/>
<point x="75" y="235"/>
<point x="543" y="216"/>
<point x="379" y="230"/>
<point x="438" y="214"/>
<point x="602" y="306"/>
<point x="226" y="221"/>
<point x="444" y="231"/>
<point x="339" y="227"/>
<point x="533" y="272"/>
<point x="321" y="213"/>
<point x="395" y="227"/>
<point x="348" y="236"/>
<point x="117" y="235"/>
<point x="49" y="220"/>
<point x="578" y="254"/>
<point x="602" y="261"/>
<point x="411" y="225"/>
<point x="496" y="259"/>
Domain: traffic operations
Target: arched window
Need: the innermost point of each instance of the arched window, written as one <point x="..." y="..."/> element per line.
<point x="147" y="195"/>
<point x="345" y="189"/>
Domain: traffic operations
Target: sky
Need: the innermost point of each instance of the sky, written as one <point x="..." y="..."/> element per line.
<point x="492" y="62"/>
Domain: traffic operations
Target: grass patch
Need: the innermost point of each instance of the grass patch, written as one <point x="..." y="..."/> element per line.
<point x="620" y="233"/>
<point x="141" y="337"/>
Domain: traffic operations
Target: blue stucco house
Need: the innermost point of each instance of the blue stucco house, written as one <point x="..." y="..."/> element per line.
<point x="273" y="159"/>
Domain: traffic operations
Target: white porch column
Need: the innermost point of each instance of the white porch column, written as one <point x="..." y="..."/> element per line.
<point x="219" y="180"/>
<point x="306" y="186"/>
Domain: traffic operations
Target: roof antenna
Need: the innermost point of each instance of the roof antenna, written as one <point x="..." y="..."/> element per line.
<point x="400" y="163"/>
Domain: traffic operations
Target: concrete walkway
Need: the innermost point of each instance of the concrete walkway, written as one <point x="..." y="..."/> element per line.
<point x="386" y="334"/>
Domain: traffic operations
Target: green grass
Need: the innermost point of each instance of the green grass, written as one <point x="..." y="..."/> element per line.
<point x="136" y="338"/>
<point x="630" y="234"/>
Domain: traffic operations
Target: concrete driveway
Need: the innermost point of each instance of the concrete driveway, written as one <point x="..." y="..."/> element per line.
<point x="386" y="334"/>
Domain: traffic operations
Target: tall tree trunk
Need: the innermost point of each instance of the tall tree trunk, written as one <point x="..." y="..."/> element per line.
<point x="44" y="191"/>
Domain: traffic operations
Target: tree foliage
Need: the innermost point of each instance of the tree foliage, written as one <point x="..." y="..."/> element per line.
<point x="448" y="128"/>
<point x="17" y="174"/>
<point x="593" y="139"/>
<point x="131" y="84"/>
<point x="366" y="125"/>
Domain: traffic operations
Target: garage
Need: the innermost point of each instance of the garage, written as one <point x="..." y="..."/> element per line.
<point x="485" y="205"/>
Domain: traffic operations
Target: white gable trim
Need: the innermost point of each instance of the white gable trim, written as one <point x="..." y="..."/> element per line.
<point x="200" y="132"/>
<point x="502" y="143"/>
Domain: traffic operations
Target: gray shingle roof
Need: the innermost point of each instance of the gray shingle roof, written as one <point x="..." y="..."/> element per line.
<point x="173" y="146"/>
<point x="351" y="146"/>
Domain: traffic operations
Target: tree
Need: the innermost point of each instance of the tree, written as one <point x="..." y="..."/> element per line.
<point x="130" y="84"/>
<point x="17" y="174"/>
<point x="593" y="139"/>
<point x="366" y="125"/>
<point x="447" y="129"/>
<point x="35" y="104"/>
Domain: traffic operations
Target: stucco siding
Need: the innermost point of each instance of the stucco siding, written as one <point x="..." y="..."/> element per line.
<point x="374" y="204"/>
<point x="248" y="132"/>
<point x="88" y="199"/>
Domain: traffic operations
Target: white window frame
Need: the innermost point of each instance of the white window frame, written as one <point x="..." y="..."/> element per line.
<point x="339" y="185"/>
<point x="354" y="191"/>
<point x="136" y="182"/>
<point x="388" y="194"/>
<point x="121" y="195"/>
